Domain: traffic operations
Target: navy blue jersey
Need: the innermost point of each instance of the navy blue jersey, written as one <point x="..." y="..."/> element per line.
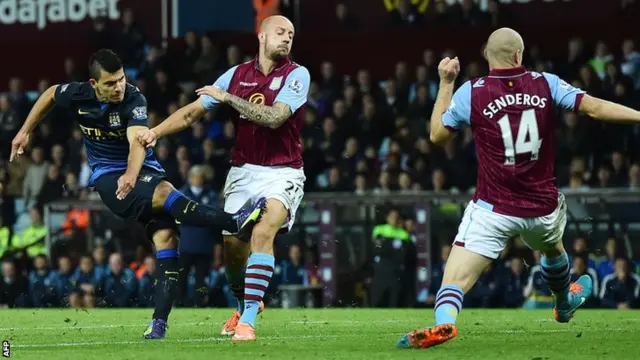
<point x="104" y="125"/>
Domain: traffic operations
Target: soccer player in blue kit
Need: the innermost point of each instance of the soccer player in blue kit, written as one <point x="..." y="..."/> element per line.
<point x="129" y="179"/>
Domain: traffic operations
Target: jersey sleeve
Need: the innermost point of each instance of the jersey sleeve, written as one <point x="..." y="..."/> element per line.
<point x="459" y="111"/>
<point x="137" y="111"/>
<point x="64" y="94"/>
<point x="564" y="95"/>
<point x="296" y="88"/>
<point x="223" y="83"/>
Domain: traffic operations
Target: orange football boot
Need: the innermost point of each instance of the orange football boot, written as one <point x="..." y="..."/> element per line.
<point x="229" y="327"/>
<point x="425" y="338"/>
<point x="244" y="332"/>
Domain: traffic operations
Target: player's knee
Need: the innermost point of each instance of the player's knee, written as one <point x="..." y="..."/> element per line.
<point x="464" y="267"/>
<point x="262" y="238"/>
<point x="161" y="193"/>
<point x="165" y="239"/>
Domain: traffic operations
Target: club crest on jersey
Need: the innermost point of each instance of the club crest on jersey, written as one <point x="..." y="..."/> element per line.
<point x="276" y="83"/>
<point x="114" y="120"/>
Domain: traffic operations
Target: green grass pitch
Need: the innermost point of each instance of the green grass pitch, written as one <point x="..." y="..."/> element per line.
<point x="319" y="334"/>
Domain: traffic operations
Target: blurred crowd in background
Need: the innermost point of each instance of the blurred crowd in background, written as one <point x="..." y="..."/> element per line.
<point x="361" y="134"/>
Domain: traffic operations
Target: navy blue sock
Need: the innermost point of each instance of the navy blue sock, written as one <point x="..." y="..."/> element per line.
<point x="167" y="282"/>
<point x="191" y="212"/>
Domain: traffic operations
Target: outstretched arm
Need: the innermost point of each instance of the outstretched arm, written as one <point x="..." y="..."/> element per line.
<point x="289" y="99"/>
<point x="181" y="119"/>
<point x="270" y="116"/>
<point x="43" y="105"/>
<point x="608" y="111"/>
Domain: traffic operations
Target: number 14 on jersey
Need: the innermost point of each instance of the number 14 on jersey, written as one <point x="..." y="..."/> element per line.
<point x="528" y="140"/>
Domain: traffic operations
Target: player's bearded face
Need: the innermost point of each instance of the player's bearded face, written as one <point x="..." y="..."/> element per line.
<point x="110" y="87"/>
<point x="278" y="42"/>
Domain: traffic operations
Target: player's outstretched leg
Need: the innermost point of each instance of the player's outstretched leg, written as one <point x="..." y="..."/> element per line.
<point x="556" y="272"/>
<point x="259" y="268"/>
<point x="190" y="212"/>
<point x="461" y="273"/>
<point x="167" y="280"/>
<point x="236" y="254"/>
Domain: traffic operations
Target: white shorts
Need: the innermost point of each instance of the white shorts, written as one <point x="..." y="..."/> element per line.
<point x="251" y="182"/>
<point x="485" y="232"/>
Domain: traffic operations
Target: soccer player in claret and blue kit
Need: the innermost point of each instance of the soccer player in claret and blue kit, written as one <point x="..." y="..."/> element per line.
<point x="130" y="181"/>
<point x="512" y="115"/>
<point x="267" y="96"/>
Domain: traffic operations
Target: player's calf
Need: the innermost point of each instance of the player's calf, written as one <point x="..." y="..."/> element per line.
<point x="261" y="262"/>
<point x="556" y="271"/>
<point x="236" y="254"/>
<point x="167" y="283"/>
<point x="190" y="212"/>
<point x="463" y="269"/>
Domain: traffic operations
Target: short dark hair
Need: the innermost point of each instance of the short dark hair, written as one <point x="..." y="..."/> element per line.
<point x="103" y="59"/>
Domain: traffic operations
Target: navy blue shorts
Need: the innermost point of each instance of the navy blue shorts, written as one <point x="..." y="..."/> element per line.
<point x="138" y="203"/>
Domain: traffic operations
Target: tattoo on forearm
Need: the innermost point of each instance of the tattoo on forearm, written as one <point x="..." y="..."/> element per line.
<point x="269" y="116"/>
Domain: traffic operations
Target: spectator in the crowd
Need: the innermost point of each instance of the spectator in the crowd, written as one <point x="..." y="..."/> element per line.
<point x="620" y="290"/>
<point x="406" y="14"/>
<point x="18" y="98"/>
<point x="292" y="269"/>
<point x="13" y="286"/>
<point x="146" y="283"/>
<point x="100" y="261"/>
<point x="390" y="246"/>
<point x="344" y="21"/>
<point x="9" y="125"/>
<point x="513" y="284"/>
<point x="86" y="281"/>
<point x="196" y="243"/>
<point x="119" y="284"/>
<point x="64" y="280"/>
<point x="53" y="187"/>
<point x="580" y="249"/>
<point x="205" y="65"/>
<point x="42" y="284"/>
<point x="30" y="241"/>
<point x="36" y="175"/>
<point x="130" y="41"/>
<point x="612" y="252"/>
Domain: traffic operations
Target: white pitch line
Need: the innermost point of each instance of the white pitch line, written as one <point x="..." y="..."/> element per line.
<point x="209" y="323"/>
<point x="301" y="337"/>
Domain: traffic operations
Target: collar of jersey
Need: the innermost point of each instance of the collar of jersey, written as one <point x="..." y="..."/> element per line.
<point x="279" y="65"/>
<point x="508" y="72"/>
